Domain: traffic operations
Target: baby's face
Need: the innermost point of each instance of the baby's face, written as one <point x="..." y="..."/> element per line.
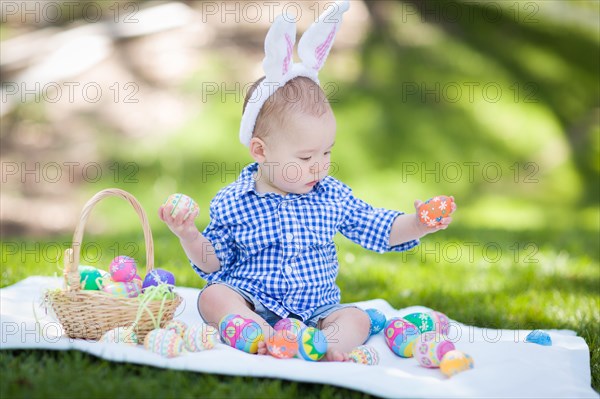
<point x="297" y="158"/>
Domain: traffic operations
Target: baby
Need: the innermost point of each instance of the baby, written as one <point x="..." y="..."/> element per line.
<point x="268" y="251"/>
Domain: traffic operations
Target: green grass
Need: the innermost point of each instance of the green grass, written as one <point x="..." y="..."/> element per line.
<point x="543" y="287"/>
<point x="51" y="374"/>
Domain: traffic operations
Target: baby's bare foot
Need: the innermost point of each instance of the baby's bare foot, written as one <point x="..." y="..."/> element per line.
<point x="262" y="348"/>
<point x="336" y="356"/>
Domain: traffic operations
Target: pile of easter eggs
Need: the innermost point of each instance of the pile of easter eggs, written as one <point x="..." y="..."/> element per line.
<point x="293" y="339"/>
<point x="172" y="340"/>
<point x="123" y="279"/>
<point x="176" y="337"/>
<point x="424" y="337"/>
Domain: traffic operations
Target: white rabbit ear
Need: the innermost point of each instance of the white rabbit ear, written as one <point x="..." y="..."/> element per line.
<point x="279" y="48"/>
<point x="316" y="42"/>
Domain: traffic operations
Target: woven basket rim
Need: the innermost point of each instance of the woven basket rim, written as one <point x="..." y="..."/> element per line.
<point x="75" y="307"/>
<point x="72" y="254"/>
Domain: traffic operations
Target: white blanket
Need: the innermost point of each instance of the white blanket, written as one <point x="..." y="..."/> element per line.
<point x="505" y="366"/>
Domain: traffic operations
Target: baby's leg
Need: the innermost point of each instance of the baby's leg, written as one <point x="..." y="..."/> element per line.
<point x="218" y="300"/>
<point x="345" y="329"/>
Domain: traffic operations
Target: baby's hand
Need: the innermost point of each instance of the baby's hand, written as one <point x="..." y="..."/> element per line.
<point x="443" y="224"/>
<point x="184" y="229"/>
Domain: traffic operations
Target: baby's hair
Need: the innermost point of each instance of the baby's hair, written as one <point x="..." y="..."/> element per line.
<point x="300" y="94"/>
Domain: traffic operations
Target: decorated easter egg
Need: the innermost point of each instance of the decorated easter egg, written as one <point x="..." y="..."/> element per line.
<point x="291" y="324"/>
<point x="130" y="289"/>
<point x="158" y="276"/>
<point x="454" y="362"/>
<point x="181" y="203"/>
<point x="89" y="277"/>
<point x="225" y="320"/>
<point x="164" y="342"/>
<point x="176" y="325"/>
<point x="243" y="334"/>
<point x="157" y="292"/>
<point x="441" y="322"/>
<point x="199" y="337"/>
<point x="432" y="211"/>
<point x="122" y="269"/>
<point x="423" y="321"/>
<point x="120" y="335"/>
<point x="364" y="354"/>
<point x="430" y="348"/>
<point x="283" y="344"/>
<point x="539" y="337"/>
<point x="400" y="336"/>
<point x="378" y="321"/>
<point x="312" y="344"/>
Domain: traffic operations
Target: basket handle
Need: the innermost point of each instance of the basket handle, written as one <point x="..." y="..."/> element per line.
<point x="72" y="255"/>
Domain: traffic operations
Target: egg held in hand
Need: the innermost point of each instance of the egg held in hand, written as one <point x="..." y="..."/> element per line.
<point x="432" y="211"/>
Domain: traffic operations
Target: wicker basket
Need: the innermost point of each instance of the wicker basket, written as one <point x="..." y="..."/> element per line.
<point x="89" y="314"/>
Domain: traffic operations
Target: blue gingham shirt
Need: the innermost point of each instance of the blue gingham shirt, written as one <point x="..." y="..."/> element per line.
<point x="280" y="248"/>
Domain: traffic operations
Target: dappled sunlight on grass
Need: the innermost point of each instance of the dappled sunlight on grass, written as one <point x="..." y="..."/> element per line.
<point x="499" y="284"/>
<point x="523" y="129"/>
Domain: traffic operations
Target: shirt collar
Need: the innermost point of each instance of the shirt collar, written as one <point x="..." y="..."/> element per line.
<point x="246" y="184"/>
<point x="245" y="181"/>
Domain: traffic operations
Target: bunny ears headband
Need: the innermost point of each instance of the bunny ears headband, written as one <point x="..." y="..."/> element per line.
<point x="278" y="64"/>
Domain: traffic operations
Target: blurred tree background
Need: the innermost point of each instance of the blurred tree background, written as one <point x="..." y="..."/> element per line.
<point x="496" y="103"/>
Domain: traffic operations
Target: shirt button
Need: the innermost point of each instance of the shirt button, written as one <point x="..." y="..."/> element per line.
<point x="289" y="236"/>
<point x="289" y="269"/>
<point x="218" y="246"/>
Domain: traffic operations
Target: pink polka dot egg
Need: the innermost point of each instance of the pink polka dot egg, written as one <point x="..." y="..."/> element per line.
<point x="225" y="320"/>
<point x="241" y="333"/>
<point x="400" y="336"/>
<point x="181" y="203"/>
<point x="122" y="269"/>
<point x="430" y="348"/>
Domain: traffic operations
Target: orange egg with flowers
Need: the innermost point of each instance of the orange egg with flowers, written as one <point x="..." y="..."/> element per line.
<point x="432" y="211"/>
<point x="283" y="344"/>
